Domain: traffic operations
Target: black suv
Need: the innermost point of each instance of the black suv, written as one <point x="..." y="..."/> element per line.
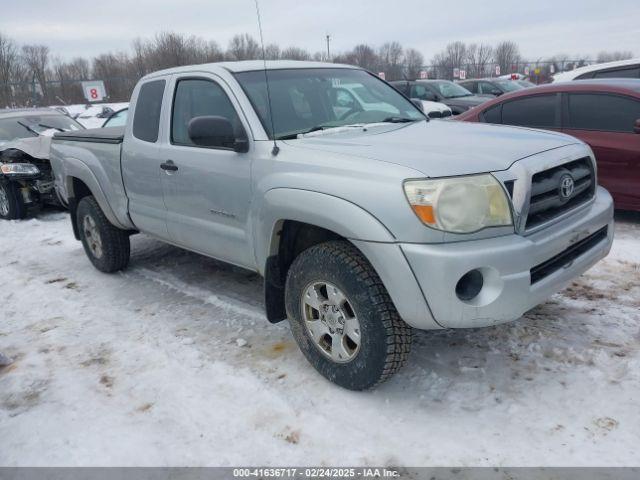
<point x="491" y="87"/>
<point x="457" y="98"/>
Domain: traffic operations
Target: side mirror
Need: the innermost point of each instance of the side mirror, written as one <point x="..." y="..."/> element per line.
<point x="497" y="93"/>
<point x="636" y="128"/>
<point x="418" y="103"/>
<point x="214" y="131"/>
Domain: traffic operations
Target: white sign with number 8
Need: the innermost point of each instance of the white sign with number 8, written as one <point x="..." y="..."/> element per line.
<point x="94" y="91"/>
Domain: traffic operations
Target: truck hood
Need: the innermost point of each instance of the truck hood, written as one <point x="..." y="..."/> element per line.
<point x="438" y="148"/>
<point x="37" y="147"/>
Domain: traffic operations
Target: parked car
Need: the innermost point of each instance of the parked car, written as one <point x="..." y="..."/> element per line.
<point x="117" y="119"/>
<point x="458" y="98"/>
<point x="619" y="69"/>
<point x="354" y="97"/>
<point x="26" y="180"/>
<point x="525" y="83"/>
<point x="349" y="216"/>
<point x="435" y="110"/>
<point x="603" y="113"/>
<point x="491" y="87"/>
<point x="420" y="93"/>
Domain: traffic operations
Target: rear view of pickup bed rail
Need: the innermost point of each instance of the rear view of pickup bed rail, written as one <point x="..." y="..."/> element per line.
<point x="365" y="221"/>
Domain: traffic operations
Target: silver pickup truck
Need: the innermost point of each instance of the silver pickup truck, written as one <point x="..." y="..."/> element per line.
<point x="365" y="218"/>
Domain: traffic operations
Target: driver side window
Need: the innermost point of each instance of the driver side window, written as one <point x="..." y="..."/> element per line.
<point x="196" y="98"/>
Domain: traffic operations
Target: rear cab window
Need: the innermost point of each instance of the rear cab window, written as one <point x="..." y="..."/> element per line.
<point x="146" y="120"/>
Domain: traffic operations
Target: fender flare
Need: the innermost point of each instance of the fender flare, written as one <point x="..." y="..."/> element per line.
<point x="322" y="210"/>
<point x="76" y="169"/>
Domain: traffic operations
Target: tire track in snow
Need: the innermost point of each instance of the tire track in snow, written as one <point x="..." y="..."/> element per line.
<point x="222" y="302"/>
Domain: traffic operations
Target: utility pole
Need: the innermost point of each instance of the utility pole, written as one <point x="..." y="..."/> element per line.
<point x="328" y="51"/>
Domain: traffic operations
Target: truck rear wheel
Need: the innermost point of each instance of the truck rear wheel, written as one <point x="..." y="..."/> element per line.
<point x="343" y="318"/>
<point x="107" y="247"/>
<point x="12" y="206"/>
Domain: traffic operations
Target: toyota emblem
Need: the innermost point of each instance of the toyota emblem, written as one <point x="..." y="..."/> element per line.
<point x="567" y="186"/>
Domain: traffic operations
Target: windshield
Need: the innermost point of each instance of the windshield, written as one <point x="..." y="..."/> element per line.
<point x="118" y="119"/>
<point x="450" y="89"/>
<point x="305" y="100"/>
<point x="509" y="85"/>
<point x="34" y="125"/>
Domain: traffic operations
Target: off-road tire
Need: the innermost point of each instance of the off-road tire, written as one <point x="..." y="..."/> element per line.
<point x="385" y="338"/>
<point x="115" y="244"/>
<point x="17" y="208"/>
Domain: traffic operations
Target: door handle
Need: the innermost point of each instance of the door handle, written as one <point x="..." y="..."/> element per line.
<point x="169" y="166"/>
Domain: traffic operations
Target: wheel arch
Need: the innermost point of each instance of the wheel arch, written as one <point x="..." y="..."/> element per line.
<point x="292" y="221"/>
<point x="81" y="182"/>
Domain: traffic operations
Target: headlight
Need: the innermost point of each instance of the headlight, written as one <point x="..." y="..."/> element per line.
<point x="460" y="204"/>
<point x="19" y="169"/>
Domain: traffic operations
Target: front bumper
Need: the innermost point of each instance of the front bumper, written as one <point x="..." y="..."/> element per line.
<point x="506" y="264"/>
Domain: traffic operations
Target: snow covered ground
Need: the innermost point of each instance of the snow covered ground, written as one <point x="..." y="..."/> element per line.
<point x="173" y="363"/>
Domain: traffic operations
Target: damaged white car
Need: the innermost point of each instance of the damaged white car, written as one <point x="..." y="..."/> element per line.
<point x="26" y="179"/>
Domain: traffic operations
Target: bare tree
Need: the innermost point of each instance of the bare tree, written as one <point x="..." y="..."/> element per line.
<point x="9" y="58"/>
<point x="604" y="57"/>
<point x="36" y="58"/>
<point x="507" y="55"/>
<point x="453" y="56"/>
<point x="479" y="56"/>
<point x="243" y="47"/>
<point x="413" y="61"/>
<point x="272" y="52"/>
<point x="390" y="57"/>
<point x="365" y="56"/>
<point x="295" y="53"/>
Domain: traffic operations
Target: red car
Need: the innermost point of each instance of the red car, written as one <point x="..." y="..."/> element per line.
<point x="603" y="113"/>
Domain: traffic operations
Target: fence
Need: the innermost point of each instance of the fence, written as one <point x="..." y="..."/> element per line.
<point x="537" y="72"/>
<point x="61" y="92"/>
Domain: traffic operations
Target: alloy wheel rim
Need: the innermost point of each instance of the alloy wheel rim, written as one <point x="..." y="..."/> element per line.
<point x="92" y="236"/>
<point x="4" y="201"/>
<point x="331" y="322"/>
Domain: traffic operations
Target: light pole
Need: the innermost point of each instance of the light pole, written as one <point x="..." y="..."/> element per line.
<point x="328" y="51"/>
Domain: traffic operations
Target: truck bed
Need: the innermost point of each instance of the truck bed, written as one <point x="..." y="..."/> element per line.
<point x="93" y="135"/>
<point x="93" y="157"/>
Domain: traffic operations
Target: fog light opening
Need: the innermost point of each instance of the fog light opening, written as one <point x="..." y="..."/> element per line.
<point x="470" y="285"/>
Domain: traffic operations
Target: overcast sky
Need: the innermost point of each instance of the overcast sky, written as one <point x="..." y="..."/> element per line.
<point x="541" y="27"/>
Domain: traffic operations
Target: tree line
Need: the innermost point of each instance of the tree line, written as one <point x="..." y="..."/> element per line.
<point x="32" y="75"/>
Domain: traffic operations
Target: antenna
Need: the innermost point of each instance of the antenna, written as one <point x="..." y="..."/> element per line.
<point x="275" y="149"/>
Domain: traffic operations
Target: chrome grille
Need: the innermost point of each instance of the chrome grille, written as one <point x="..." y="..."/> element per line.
<point x="560" y="189"/>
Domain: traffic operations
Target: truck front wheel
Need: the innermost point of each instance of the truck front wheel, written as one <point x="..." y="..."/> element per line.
<point x="12" y="206"/>
<point x="343" y="318"/>
<point x="107" y="247"/>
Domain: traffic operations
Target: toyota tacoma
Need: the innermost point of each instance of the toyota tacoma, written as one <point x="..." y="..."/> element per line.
<point x="365" y="223"/>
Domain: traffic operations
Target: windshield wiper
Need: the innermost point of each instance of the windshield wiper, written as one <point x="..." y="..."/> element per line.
<point x="293" y="136"/>
<point x="399" y="120"/>
<point x="51" y="128"/>
<point x="28" y="128"/>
